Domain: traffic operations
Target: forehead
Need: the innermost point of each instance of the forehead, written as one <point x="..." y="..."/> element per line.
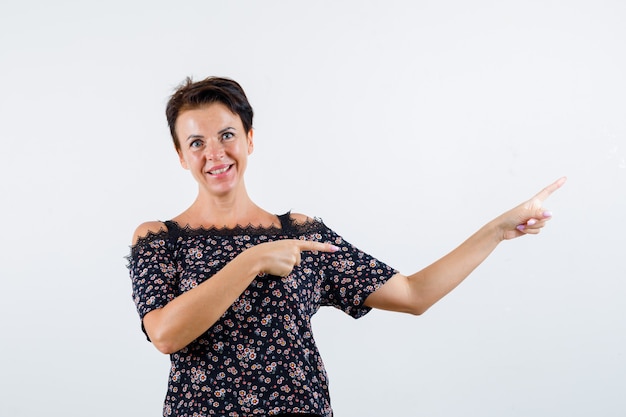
<point x="213" y="116"/>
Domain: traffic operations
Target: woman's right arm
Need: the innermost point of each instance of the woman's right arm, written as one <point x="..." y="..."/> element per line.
<point x="192" y="313"/>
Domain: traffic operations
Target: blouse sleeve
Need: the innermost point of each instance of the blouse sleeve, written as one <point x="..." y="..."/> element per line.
<point x="350" y="276"/>
<point x="153" y="274"/>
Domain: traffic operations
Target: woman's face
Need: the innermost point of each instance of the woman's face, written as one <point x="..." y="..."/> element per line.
<point x="214" y="147"/>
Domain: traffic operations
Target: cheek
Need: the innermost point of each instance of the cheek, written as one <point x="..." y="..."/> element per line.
<point x="191" y="159"/>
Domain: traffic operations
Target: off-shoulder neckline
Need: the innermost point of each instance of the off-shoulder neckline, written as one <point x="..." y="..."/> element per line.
<point x="288" y="225"/>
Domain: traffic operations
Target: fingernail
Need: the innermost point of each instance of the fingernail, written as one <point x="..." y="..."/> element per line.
<point x="531" y="222"/>
<point x="521" y="227"/>
<point x="547" y="213"/>
<point x="334" y="248"/>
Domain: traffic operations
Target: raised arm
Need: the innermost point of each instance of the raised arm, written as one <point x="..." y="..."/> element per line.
<point x="187" y="316"/>
<point x="416" y="293"/>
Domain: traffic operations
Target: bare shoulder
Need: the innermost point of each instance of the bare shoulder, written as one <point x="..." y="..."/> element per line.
<point x="301" y="218"/>
<point x="146" y="228"/>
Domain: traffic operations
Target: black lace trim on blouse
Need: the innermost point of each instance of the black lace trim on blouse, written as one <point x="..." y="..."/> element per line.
<point x="288" y="226"/>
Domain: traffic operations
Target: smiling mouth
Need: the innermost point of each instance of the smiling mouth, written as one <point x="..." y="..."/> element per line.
<point x="220" y="171"/>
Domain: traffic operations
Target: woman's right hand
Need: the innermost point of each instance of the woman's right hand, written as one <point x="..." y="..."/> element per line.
<point x="280" y="257"/>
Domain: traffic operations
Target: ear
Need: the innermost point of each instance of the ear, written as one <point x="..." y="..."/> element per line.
<point x="250" y="141"/>
<point x="183" y="163"/>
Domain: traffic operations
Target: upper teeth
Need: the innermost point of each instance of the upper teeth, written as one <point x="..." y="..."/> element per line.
<point x="219" y="171"/>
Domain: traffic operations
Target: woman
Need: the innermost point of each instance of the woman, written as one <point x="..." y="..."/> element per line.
<point x="228" y="289"/>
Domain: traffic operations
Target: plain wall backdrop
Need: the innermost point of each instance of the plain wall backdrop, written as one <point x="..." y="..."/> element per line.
<point x="404" y="125"/>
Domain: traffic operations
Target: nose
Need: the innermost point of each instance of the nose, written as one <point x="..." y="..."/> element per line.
<point x="214" y="150"/>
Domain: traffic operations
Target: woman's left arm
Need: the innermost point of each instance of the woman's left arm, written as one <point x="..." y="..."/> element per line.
<point x="416" y="293"/>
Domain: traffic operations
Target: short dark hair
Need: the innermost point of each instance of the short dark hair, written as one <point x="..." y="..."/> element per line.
<point x="192" y="95"/>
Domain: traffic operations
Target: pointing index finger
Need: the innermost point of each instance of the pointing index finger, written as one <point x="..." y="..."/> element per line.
<point x="310" y="245"/>
<point x="546" y="192"/>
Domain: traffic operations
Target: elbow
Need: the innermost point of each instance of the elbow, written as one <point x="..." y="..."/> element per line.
<point x="164" y="344"/>
<point x="417" y="310"/>
<point x="162" y="339"/>
<point x="419" y="306"/>
<point x="163" y="347"/>
<point x="164" y="336"/>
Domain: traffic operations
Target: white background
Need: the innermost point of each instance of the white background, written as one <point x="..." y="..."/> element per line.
<point x="405" y="126"/>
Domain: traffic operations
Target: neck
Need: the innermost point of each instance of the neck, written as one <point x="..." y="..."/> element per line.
<point x="227" y="210"/>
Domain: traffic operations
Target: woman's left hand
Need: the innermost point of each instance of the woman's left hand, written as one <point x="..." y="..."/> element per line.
<point x="417" y="292"/>
<point x="530" y="216"/>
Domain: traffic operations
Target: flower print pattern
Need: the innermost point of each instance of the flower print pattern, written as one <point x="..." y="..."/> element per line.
<point x="259" y="358"/>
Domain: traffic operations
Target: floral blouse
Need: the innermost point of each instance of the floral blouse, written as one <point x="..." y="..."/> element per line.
<point x="259" y="358"/>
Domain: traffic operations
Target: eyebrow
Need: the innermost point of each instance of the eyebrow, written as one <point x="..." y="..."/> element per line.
<point x="190" y="137"/>
<point x="195" y="136"/>
<point x="225" y="130"/>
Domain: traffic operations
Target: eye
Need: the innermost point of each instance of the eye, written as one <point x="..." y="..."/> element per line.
<point x="195" y="144"/>
<point x="228" y="135"/>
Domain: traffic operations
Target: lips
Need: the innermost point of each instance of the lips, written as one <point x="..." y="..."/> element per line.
<point x="219" y="169"/>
